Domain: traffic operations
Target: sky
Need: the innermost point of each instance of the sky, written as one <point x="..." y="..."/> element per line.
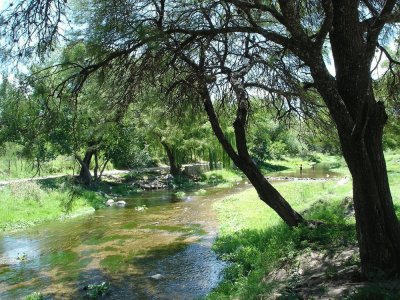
<point x="3" y="3"/>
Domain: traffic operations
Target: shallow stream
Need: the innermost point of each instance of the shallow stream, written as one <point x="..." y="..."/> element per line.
<point x="172" y="239"/>
<point x="122" y="246"/>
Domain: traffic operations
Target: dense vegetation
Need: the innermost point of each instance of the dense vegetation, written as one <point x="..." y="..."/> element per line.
<point x="93" y="85"/>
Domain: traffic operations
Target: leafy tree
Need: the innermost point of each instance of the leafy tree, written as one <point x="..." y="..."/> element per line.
<point x="228" y="50"/>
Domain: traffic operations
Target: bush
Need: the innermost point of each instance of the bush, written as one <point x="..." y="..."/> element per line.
<point x="96" y="291"/>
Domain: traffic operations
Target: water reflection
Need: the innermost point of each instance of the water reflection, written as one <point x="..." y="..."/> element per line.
<point x="120" y="245"/>
<point x="317" y="171"/>
<point x="124" y="246"/>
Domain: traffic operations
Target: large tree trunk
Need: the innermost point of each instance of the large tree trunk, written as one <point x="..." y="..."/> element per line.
<point x="378" y="229"/>
<point x="360" y="120"/>
<point x="360" y="132"/>
<point x="267" y="193"/>
<point x="175" y="168"/>
<point x="84" y="175"/>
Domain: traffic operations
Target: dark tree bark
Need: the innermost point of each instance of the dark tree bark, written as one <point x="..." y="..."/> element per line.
<point x="267" y="193"/>
<point x="84" y="175"/>
<point x="360" y="120"/>
<point x="378" y="229"/>
<point x="175" y="168"/>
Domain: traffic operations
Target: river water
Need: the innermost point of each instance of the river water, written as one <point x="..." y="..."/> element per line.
<point x="171" y="239"/>
<point x="122" y="246"/>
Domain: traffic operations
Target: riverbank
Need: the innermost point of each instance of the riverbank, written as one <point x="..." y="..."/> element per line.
<point x="26" y="203"/>
<point x="161" y="251"/>
<point x="270" y="261"/>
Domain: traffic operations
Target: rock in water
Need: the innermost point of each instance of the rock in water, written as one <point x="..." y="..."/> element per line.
<point x="110" y="202"/>
<point x="157" y="276"/>
<point x="121" y="203"/>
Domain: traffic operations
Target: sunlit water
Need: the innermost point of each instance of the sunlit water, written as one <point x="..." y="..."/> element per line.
<point x="125" y="247"/>
<point x="317" y="172"/>
<point x="122" y="246"/>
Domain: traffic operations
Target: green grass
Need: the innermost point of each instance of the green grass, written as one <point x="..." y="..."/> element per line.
<point x="255" y="241"/>
<point x="220" y="177"/>
<point x="393" y="168"/>
<point x="29" y="203"/>
<point x="246" y="211"/>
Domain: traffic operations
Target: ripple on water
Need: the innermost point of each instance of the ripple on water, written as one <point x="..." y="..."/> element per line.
<point x="122" y="246"/>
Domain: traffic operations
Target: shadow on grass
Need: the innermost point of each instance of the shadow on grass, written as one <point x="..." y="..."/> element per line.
<point x="376" y="291"/>
<point x="54" y="183"/>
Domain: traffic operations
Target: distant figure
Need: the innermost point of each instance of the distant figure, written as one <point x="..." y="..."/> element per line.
<point x="301" y="169"/>
<point x="313" y="166"/>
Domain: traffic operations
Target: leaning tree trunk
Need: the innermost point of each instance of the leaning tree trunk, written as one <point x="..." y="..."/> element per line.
<point x="175" y="168"/>
<point x="378" y="229"/>
<point x="267" y="193"/>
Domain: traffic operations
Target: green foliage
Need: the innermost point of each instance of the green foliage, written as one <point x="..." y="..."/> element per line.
<point x="129" y="148"/>
<point x="180" y="194"/>
<point x="97" y="290"/>
<point x="14" y="165"/>
<point x="269" y="139"/>
<point x="35" y="296"/>
<point x="391" y="138"/>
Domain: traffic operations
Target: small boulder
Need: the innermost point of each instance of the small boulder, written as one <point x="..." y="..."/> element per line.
<point x="110" y="202"/>
<point x="121" y="203"/>
<point x="157" y="277"/>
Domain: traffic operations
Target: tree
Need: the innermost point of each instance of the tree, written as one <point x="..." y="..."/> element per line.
<point x="235" y="48"/>
<point x="183" y="135"/>
<point x="298" y="32"/>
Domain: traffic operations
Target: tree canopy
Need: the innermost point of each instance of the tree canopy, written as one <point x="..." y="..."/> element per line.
<point x="230" y="54"/>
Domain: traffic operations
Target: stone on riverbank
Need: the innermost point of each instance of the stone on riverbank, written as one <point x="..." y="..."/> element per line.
<point x="110" y="202"/>
<point x="121" y="203"/>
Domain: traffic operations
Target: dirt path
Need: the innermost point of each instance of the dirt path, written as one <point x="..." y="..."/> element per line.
<point x="13" y="181"/>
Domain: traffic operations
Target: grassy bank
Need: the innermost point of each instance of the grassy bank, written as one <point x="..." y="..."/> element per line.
<point x="257" y="244"/>
<point x="221" y="178"/>
<point x="29" y="203"/>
